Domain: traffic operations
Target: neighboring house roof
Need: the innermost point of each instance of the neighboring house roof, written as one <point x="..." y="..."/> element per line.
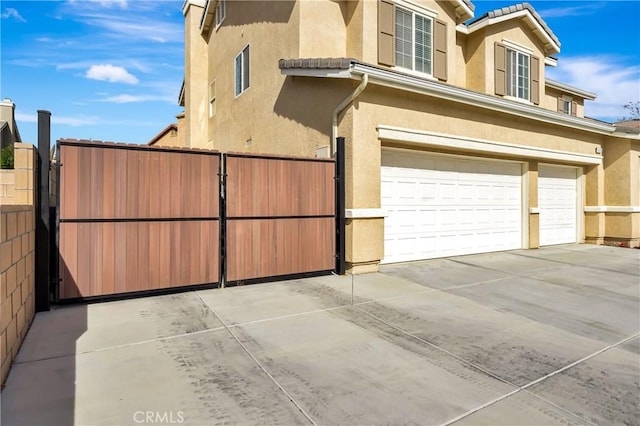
<point x="170" y="128"/>
<point x="632" y="124"/>
<point x="521" y="10"/>
<point x="354" y="69"/>
<point x="628" y="126"/>
<point x="570" y="89"/>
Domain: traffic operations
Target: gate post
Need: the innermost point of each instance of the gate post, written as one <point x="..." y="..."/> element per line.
<point x="42" y="213"/>
<point x="340" y="205"/>
<point x="222" y="228"/>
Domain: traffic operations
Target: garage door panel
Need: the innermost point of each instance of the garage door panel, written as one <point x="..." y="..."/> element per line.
<point x="557" y="202"/>
<point x="455" y="206"/>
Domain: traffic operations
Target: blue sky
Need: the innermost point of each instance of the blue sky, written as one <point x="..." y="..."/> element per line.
<point x="112" y="69"/>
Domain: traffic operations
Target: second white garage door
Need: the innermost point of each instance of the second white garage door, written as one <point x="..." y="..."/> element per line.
<point x="441" y="206"/>
<point x="557" y="201"/>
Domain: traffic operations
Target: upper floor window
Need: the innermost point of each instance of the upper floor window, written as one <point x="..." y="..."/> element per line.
<point x="412" y="38"/>
<point x="517" y="74"/>
<point x="413" y="41"/>
<point x="567" y="105"/>
<point x="242" y="71"/>
<point x="220" y="12"/>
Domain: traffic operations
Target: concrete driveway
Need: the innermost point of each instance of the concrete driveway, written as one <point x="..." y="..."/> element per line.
<point x="545" y="336"/>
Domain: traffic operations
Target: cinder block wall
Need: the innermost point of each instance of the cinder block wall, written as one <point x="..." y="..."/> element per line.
<point x="16" y="186"/>
<point x="17" y="254"/>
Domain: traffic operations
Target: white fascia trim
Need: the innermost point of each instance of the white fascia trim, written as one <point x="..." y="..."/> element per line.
<point x="440" y="140"/>
<point x="207" y="17"/>
<point x="467" y="9"/>
<point x="552" y="62"/>
<point x="462" y="29"/>
<point x="318" y="72"/>
<point x="569" y="89"/>
<point x="187" y="3"/>
<point x="517" y="46"/>
<point x="444" y="91"/>
<point x="612" y="209"/>
<point x="415" y="7"/>
<point x="365" y="213"/>
<point x="520" y="14"/>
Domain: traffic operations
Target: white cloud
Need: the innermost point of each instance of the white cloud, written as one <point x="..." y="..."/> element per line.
<point x="70" y="121"/>
<point x="123" y="4"/>
<point x="12" y="13"/>
<point x="580" y="10"/>
<point x="615" y="83"/>
<point x="111" y="73"/>
<point x="126" y="99"/>
<point x="26" y="118"/>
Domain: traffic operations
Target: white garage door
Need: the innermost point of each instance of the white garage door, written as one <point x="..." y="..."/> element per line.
<point x="557" y="201"/>
<point x="445" y="206"/>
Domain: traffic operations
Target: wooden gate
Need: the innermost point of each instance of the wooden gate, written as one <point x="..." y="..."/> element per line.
<point x="136" y="218"/>
<point x="280" y="216"/>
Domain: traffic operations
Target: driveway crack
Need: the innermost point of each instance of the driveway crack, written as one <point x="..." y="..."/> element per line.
<point x="259" y="364"/>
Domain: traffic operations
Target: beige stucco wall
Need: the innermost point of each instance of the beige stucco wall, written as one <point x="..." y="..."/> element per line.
<point x="170" y="138"/>
<point x="196" y="82"/>
<point x="550" y="101"/>
<point x="622" y="176"/>
<point x="324" y="37"/>
<point x="277" y="114"/>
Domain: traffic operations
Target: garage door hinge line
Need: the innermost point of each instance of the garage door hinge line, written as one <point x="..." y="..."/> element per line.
<point x="258" y="363"/>
<point x="535" y="382"/>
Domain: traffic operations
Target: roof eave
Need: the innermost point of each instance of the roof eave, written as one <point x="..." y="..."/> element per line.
<point x="436" y="89"/>
<point x="570" y="89"/>
<point x="551" y="46"/>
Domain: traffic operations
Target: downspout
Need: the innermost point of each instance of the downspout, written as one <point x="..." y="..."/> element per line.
<point x="364" y="79"/>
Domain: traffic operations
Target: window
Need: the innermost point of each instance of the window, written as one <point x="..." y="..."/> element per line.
<point x="212" y="98"/>
<point x="567" y="105"/>
<point x="413" y="41"/>
<point x="517" y="74"/>
<point x="242" y="71"/>
<point x="220" y="12"/>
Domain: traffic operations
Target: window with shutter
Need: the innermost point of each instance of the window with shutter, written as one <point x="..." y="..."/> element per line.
<point x="413" y="41"/>
<point x="440" y="50"/>
<point x="386" y="33"/>
<point x="500" y="73"/>
<point x="517" y="74"/>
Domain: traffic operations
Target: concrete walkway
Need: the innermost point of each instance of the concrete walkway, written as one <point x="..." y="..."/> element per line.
<point x="540" y="337"/>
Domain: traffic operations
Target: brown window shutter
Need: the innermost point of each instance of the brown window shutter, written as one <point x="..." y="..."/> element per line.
<point x="386" y="33"/>
<point x="500" y="69"/>
<point x="574" y="108"/>
<point x="560" y="105"/>
<point x="535" y="80"/>
<point x="440" y="50"/>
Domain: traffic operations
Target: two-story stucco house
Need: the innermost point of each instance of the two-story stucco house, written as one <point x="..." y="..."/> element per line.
<point x="456" y="142"/>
